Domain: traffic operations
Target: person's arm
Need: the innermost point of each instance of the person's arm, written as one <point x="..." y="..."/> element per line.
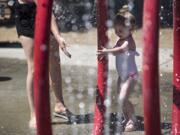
<point x="114" y="50"/>
<point x="58" y="37"/>
<point x="55" y="30"/>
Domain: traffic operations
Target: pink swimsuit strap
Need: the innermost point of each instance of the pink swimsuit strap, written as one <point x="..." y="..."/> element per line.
<point x="133" y="75"/>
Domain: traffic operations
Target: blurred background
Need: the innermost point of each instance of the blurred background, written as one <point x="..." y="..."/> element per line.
<point x="77" y="22"/>
<point x="77" y="12"/>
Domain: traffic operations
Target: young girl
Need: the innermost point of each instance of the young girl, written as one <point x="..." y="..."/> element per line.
<point x="25" y="11"/>
<point x="125" y="52"/>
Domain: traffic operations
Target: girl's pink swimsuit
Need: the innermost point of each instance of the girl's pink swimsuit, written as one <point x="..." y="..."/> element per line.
<point x="126" y="65"/>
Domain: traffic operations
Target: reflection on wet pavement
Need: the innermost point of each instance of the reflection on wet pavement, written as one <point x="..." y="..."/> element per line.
<point x="79" y="85"/>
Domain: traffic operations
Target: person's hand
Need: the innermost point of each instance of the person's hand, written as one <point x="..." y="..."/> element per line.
<point x="62" y="44"/>
<point x="66" y="52"/>
<point x="102" y="51"/>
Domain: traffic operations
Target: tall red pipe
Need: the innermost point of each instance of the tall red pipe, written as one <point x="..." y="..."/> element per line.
<point x="176" y="70"/>
<point x="151" y="67"/>
<point x="102" y="68"/>
<point x="41" y="79"/>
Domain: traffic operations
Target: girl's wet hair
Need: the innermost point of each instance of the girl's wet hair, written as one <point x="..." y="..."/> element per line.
<point x="125" y="18"/>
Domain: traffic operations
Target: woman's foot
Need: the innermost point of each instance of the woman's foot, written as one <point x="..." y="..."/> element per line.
<point x="59" y="107"/>
<point x="66" y="115"/>
<point x="62" y="112"/>
<point x="32" y="123"/>
<point x="130" y="126"/>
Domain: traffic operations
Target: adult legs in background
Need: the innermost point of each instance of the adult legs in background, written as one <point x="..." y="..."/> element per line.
<point x="55" y="75"/>
<point x="28" y="46"/>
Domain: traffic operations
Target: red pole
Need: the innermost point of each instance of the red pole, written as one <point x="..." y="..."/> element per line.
<point x="41" y="80"/>
<point x="102" y="68"/>
<point x="151" y="67"/>
<point x="176" y="70"/>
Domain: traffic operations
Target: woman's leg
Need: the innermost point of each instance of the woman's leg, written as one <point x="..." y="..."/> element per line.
<point x="27" y="44"/>
<point x="56" y="76"/>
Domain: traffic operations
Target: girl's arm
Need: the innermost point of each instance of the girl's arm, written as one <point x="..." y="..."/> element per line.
<point x="114" y="50"/>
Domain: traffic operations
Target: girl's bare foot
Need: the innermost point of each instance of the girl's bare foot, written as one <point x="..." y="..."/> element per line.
<point x="130" y="126"/>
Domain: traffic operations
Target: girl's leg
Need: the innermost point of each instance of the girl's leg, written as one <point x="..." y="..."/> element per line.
<point x="130" y="112"/>
<point x="56" y="76"/>
<point x="126" y="105"/>
<point x="121" y="98"/>
<point x="123" y="89"/>
<point x="27" y="44"/>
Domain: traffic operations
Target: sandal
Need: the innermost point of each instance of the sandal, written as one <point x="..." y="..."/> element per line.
<point x="66" y="115"/>
<point x="130" y="126"/>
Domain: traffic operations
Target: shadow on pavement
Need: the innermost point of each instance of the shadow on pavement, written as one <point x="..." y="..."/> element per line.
<point x="112" y="122"/>
<point x="80" y="119"/>
<point x="10" y="45"/>
<point x="5" y="78"/>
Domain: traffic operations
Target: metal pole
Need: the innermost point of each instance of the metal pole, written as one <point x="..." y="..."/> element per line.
<point x="41" y="79"/>
<point x="102" y="68"/>
<point x="151" y="67"/>
<point x="176" y="70"/>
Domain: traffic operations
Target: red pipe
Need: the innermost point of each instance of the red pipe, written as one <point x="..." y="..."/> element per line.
<point x="151" y="67"/>
<point x="41" y="79"/>
<point x="176" y="70"/>
<point x="102" y="68"/>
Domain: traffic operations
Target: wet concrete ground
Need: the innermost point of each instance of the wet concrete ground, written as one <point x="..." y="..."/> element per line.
<point x="79" y="93"/>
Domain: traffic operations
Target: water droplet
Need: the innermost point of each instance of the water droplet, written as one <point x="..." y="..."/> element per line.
<point x="146" y="67"/>
<point x="127" y="23"/>
<point x="85" y="17"/>
<point x="56" y="54"/>
<point x="43" y="47"/>
<point x="130" y="5"/>
<point x="109" y="81"/>
<point x="81" y="105"/>
<point x="67" y="80"/>
<point x="107" y="103"/>
<point x="74" y="27"/>
<point x="88" y="25"/>
<point x="71" y="100"/>
<point x="91" y="91"/>
<point x="79" y="95"/>
<point x="88" y="5"/>
<point x="177" y="79"/>
<point x="78" y="63"/>
<point x="91" y="71"/>
<point x="69" y="89"/>
<point x="109" y="23"/>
